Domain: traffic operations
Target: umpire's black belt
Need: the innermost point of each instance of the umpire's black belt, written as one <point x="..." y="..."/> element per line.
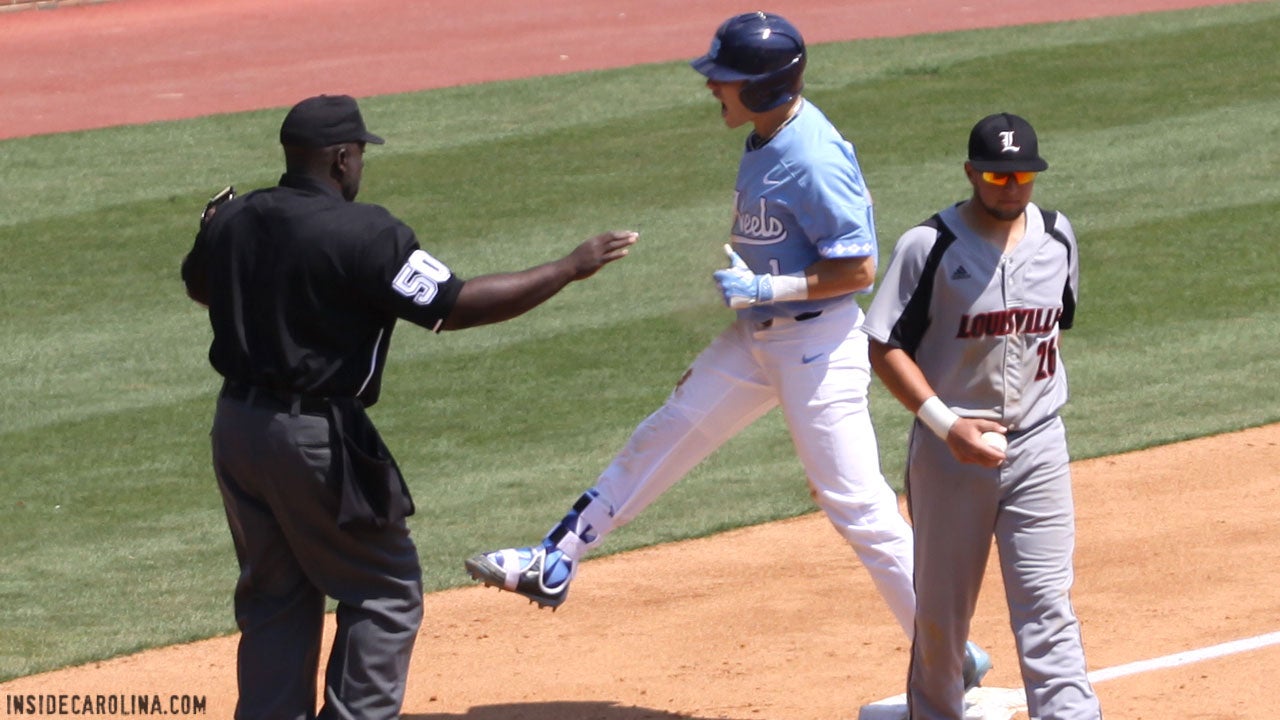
<point x="292" y="403"/>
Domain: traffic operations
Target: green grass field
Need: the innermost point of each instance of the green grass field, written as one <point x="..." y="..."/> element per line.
<point x="1165" y="149"/>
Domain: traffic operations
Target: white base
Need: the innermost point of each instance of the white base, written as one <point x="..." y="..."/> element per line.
<point x="979" y="704"/>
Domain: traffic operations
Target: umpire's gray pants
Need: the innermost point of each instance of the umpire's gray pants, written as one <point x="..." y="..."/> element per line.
<point x="273" y="470"/>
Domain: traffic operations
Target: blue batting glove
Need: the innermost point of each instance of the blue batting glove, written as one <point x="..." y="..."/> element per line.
<point x="740" y="287"/>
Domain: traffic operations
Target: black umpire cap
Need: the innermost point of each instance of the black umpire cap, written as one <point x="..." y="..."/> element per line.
<point x="1005" y="142"/>
<point x="325" y="120"/>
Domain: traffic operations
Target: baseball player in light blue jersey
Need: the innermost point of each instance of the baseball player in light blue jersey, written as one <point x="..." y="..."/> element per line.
<point x="803" y="243"/>
<point x="965" y="333"/>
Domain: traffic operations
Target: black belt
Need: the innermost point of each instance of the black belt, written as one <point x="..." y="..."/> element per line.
<point x="292" y="403"/>
<point x="799" y="318"/>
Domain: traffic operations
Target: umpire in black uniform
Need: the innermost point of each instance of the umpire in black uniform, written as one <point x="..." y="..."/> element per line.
<point x="304" y="287"/>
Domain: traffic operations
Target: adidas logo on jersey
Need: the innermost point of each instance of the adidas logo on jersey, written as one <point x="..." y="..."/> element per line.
<point x="960" y="274"/>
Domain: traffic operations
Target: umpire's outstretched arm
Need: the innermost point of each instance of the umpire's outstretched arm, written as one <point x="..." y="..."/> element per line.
<point x="502" y="296"/>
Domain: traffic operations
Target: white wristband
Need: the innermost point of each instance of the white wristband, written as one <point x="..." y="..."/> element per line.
<point x="789" y="287"/>
<point x="937" y="416"/>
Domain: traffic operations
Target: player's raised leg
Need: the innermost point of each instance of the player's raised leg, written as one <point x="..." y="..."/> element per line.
<point x="723" y="392"/>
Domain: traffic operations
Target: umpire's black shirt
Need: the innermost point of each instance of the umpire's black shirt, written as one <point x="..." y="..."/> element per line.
<point x="304" y="289"/>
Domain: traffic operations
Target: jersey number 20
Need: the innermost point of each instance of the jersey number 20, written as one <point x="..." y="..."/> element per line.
<point x="1048" y="352"/>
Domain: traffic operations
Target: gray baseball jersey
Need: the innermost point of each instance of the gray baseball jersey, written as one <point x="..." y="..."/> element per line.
<point x="983" y="326"/>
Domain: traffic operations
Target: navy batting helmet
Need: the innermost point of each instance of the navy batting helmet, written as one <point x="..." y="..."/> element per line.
<point x="761" y="48"/>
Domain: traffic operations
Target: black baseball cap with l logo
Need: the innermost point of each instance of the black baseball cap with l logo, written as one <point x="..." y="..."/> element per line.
<point x="325" y="120"/>
<point x="1005" y="143"/>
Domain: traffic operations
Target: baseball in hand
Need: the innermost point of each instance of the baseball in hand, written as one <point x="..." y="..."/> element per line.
<point x="995" y="440"/>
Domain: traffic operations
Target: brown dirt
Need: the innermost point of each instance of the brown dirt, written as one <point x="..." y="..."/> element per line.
<point x="779" y="621"/>
<point x="1177" y="545"/>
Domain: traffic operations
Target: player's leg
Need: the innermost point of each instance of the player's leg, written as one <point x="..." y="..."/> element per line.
<point x="823" y="375"/>
<point x="837" y="446"/>
<point x="722" y="392"/>
<point x="1035" y="533"/>
<point x="953" y="510"/>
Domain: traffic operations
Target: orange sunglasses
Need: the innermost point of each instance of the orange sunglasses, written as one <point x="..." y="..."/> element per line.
<point x="1002" y="179"/>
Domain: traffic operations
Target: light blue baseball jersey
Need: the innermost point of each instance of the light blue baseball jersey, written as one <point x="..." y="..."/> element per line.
<point x="799" y="199"/>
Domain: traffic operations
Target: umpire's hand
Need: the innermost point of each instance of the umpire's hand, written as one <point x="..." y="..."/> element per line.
<point x="601" y="250"/>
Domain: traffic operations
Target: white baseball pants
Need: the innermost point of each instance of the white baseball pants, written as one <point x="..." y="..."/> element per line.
<point x="818" y="372"/>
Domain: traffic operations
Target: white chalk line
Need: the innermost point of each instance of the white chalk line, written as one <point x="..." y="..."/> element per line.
<point x="1186" y="658"/>
<point x="1002" y="704"/>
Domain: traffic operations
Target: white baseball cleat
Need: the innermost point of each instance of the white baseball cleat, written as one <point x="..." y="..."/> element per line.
<point x="539" y="573"/>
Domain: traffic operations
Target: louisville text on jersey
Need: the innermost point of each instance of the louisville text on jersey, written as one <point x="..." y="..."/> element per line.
<point x="1029" y="321"/>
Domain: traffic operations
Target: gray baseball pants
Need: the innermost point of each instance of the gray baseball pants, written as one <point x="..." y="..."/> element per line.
<point x="1027" y="505"/>
<point x="273" y="469"/>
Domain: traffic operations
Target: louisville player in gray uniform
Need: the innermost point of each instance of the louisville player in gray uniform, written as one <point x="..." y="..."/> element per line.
<point x="964" y="332"/>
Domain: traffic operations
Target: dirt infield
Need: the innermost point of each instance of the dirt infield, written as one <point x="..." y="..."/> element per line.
<point x="778" y="621"/>
<point x="1177" y="546"/>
